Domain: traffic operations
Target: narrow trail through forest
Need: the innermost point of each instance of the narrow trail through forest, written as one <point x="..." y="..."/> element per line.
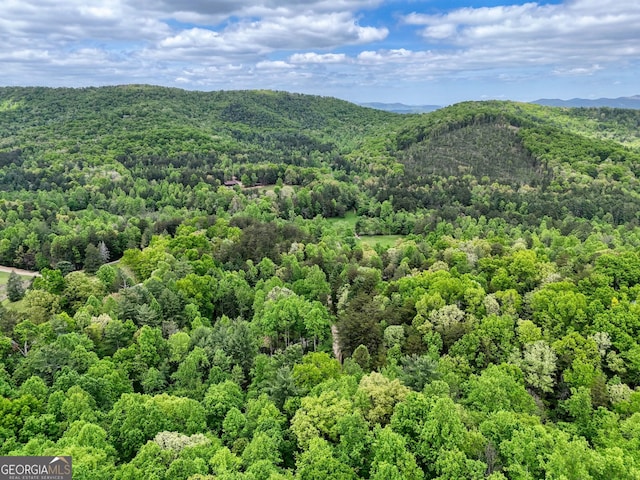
<point x="336" y="344"/>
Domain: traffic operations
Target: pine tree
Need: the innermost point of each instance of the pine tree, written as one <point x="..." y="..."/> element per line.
<point x="92" y="259"/>
<point x="104" y="251"/>
<point x="15" y="289"/>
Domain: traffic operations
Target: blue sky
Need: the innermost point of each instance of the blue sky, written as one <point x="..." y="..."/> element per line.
<point x="409" y="51"/>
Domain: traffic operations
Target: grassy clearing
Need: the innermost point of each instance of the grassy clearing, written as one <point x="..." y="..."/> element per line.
<point x="15" y="306"/>
<point x="347" y="222"/>
<point x="4" y="278"/>
<point x="385" y="241"/>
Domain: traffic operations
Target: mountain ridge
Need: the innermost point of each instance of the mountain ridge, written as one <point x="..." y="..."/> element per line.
<point x="632" y="102"/>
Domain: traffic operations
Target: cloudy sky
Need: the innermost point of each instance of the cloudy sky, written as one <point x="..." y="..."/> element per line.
<point x="410" y="51"/>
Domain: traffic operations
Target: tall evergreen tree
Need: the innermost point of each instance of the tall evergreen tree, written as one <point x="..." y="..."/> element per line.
<point x="92" y="259"/>
<point x="15" y="289"/>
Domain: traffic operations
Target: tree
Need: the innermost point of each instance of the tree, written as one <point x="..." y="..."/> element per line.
<point x="442" y="432"/>
<point x="51" y="280"/>
<point x="354" y="447"/>
<point x="417" y="371"/>
<point x="362" y="358"/>
<point x="104" y="252"/>
<point x="92" y="259"/>
<point x="315" y="368"/>
<point x="262" y="447"/>
<point x="539" y="365"/>
<point x="317" y="462"/>
<point x="78" y="288"/>
<point x="377" y="396"/>
<point x="449" y="321"/>
<point x="219" y="400"/>
<point x="319" y="416"/>
<point x="15" y="289"/>
<point x="500" y="388"/>
<point x="40" y="305"/>
<point x="232" y="426"/>
<point x="359" y="324"/>
<point x="390" y="450"/>
<point x="455" y="465"/>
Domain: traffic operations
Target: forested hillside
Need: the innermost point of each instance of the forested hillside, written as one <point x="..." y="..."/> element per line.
<point x="265" y="285"/>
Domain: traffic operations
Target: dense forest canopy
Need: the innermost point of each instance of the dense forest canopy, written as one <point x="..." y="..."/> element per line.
<point x="266" y="285"/>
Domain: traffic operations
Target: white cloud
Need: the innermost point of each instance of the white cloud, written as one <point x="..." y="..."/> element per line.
<point x="577" y="71"/>
<point x="272" y="34"/>
<point x="318" y="58"/>
<point x="273" y="65"/>
<point x="576" y="33"/>
<point x="312" y="45"/>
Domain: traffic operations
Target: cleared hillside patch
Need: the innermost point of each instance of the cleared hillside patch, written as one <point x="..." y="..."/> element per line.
<point x="482" y="150"/>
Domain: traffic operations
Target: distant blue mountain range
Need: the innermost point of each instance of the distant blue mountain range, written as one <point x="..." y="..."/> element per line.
<point x="622" y="102"/>
<point x="401" y="107"/>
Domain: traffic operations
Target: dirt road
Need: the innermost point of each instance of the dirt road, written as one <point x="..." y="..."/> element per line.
<point x="24" y="273"/>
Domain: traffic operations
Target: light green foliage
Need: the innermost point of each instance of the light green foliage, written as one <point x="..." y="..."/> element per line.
<point x="35" y="387"/>
<point x="318" y="462"/>
<point x="93" y="456"/>
<point x="233" y="425"/>
<point x="78" y="405"/>
<point x="40" y="305"/>
<point x="135" y="418"/>
<point x="189" y="376"/>
<point x="219" y="400"/>
<point x="539" y="365"/>
<point x="79" y="287"/>
<point x="522" y="451"/>
<point x="448" y="321"/>
<point x="377" y="396"/>
<point x="318" y="417"/>
<point x="528" y="332"/>
<point x="224" y="462"/>
<point x="455" y="465"/>
<point x="261" y="447"/>
<point x="315" y="368"/>
<point x="499" y="388"/>
<point x="489" y="342"/>
<point x="151" y="346"/>
<point x="354" y="446"/>
<point x="409" y="416"/>
<point x="393" y="335"/>
<point x="557" y="306"/>
<point x="389" y="449"/>
<point x="179" y="344"/>
<point x="286" y="316"/>
<point x="443" y="431"/>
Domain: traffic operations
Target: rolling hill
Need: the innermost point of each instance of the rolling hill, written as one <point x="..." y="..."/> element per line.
<point x="160" y="154"/>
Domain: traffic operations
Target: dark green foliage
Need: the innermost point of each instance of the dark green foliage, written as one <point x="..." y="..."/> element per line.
<point x="15" y="288"/>
<point x="92" y="259"/>
<point x="360" y="325"/>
